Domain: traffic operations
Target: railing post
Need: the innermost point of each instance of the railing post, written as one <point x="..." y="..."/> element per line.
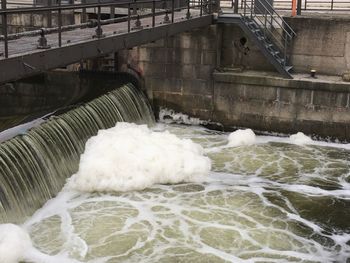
<point x="99" y="31"/>
<point x="235" y="7"/>
<point x="129" y="7"/>
<point x="166" y="17"/>
<point x="332" y="2"/>
<point x="285" y="50"/>
<point x="83" y="13"/>
<point x="59" y="20"/>
<point x="4" y="27"/>
<point x="172" y="10"/>
<point x="244" y="7"/>
<point x="265" y="23"/>
<point x="49" y="14"/>
<point x="251" y="8"/>
<point x="298" y="7"/>
<point x="305" y="4"/>
<point x="201" y="8"/>
<point x="188" y="14"/>
<point x="153" y="13"/>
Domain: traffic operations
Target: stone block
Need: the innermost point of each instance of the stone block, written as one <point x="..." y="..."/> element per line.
<point x="196" y="86"/>
<point x="260" y="93"/>
<point x="152" y="69"/>
<point x="329" y="99"/>
<point x="203" y="102"/>
<point x="145" y="54"/>
<point x="208" y="58"/>
<point x="160" y="55"/>
<point x="171" y="85"/>
<point x="203" y="71"/>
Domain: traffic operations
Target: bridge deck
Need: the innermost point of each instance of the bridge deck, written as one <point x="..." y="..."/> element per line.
<point x="25" y="59"/>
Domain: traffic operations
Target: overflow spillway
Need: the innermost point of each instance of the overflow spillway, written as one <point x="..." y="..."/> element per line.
<point x="35" y="165"/>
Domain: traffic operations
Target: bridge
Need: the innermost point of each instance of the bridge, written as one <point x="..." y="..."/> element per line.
<point x="31" y="52"/>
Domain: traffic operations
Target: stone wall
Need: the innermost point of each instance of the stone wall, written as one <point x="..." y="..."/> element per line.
<point x="178" y="70"/>
<point x="188" y="73"/>
<point x="315" y="107"/>
<point x="322" y="43"/>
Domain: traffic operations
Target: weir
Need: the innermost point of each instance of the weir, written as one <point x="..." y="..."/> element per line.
<point x="35" y="165"/>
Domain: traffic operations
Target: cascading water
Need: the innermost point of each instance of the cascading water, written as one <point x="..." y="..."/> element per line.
<point x="172" y="193"/>
<point x="34" y="166"/>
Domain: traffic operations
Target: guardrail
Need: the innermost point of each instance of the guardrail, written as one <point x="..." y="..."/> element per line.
<point x="314" y="5"/>
<point x="168" y="9"/>
<point x="305" y="5"/>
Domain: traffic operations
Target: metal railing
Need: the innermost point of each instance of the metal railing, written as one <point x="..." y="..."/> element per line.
<point x="305" y="5"/>
<point x="133" y="14"/>
<point x="271" y="25"/>
<point x="314" y="5"/>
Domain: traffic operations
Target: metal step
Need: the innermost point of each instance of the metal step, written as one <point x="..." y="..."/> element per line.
<point x="268" y="48"/>
<point x="288" y="68"/>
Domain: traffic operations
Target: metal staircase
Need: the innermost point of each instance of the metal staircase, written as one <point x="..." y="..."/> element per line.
<point x="267" y="29"/>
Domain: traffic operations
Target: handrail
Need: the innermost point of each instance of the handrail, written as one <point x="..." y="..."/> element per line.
<point x="270" y="7"/>
<point x="130" y="5"/>
<point x="264" y="16"/>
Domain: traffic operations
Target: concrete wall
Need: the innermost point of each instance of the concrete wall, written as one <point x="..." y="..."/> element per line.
<point x="35" y="96"/>
<point x="178" y="71"/>
<point x="187" y="73"/>
<point x="274" y="104"/>
<point x="323" y="43"/>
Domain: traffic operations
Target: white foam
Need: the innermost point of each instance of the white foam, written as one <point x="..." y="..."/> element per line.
<point x="14" y="243"/>
<point x="132" y="157"/>
<point x="300" y="139"/>
<point x="170" y="116"/>
<point x="241" y="137"/>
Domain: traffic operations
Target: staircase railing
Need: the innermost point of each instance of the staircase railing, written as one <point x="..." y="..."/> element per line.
<point x="273" y="26"/>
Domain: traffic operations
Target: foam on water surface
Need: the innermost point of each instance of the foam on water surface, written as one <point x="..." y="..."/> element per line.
<point x="241" y="137"/>
<point x="300" y="138"/>
<point x="132" y="157"/>
<point x="269" y="201"/>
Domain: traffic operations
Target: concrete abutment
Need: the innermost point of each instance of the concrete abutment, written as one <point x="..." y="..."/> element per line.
<point x="204" y="73"/>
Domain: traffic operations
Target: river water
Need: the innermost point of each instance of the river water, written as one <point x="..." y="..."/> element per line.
<point x="271" y="201"/>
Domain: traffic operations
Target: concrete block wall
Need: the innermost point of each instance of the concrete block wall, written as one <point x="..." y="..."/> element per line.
<point x="233" y="56"/>
<point x="178" y="70"/>
<point x="322" y="43"/>
<point x="280" y="105"/>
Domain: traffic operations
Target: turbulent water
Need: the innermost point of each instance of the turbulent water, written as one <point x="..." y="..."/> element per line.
<point x="269" y="201"/>
<point x="35" y="164"/>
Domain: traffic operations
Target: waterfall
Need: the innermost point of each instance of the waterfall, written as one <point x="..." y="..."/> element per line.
<point x="35" y="165"/>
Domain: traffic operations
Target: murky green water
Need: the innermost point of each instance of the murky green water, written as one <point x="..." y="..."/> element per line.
<point x="269" y="202"/>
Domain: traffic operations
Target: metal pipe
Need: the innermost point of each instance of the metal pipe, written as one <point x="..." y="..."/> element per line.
<point x="153" y="14"/>
<point x="99" y="29"/>
<point x="59" y="25"/>
<point x="172" y="10"/>
<point x="4" y="28"/>
<point x="49" y="14"/>
<point x="83" y="13"/>
<point x="299" y="7"/>
<point x="129" y="6"/>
